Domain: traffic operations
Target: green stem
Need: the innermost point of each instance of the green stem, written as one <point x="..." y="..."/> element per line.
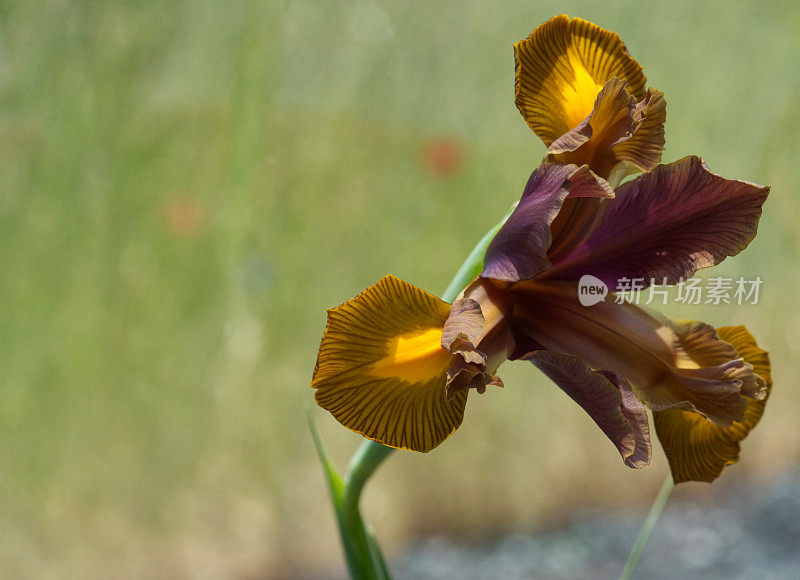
<point x="365" y="461"/>
<point x="364" y="558"/>
<point x="647" y="528"/>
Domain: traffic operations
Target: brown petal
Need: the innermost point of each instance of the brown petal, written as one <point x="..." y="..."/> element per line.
<point x="586" y="183"/>
<point x="619" y="137"/>
<point x="636" y="414"/>
<point x="519" y="250"/>
<point x="642" y="152"/>
<point x="465" y="321"/>
<point x="697" y="449"/>
<point x="465" y="331"/>
<point x="611" y="121"/>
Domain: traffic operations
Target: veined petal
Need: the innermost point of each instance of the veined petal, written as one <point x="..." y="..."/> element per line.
<point x="610" y="121"/>
<point x="636" y="414"/>
<point x="697" y="449"/>
<point x="618" y="413"/>
<point x="519" y="250"/>
<point x="619" y="137"/>
<point x="495" y="340"/>
<point x="461" y="332"/>
<point x="666" y="362"/>
<point x="576" y="220"/>
<point x="559" y="200"/>
<point x="465" y="322"/>
<point x="667" y="224"/>
<point x="642" y="151"/>
<point x="560" y="69"/>
<point x="586" y="183"/>
<point x="381" y="369"/>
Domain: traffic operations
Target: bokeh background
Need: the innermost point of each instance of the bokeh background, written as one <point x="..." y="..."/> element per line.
<point x="185" y="187"/>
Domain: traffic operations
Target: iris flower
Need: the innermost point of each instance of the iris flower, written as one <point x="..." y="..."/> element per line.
<point x="397" y="364"/>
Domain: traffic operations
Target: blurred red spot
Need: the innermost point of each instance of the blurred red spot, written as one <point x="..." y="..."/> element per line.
<point x="184" y="216"/>
<point x="442" y="157"/>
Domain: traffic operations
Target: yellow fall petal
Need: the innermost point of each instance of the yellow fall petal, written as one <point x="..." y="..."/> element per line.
<point x="699" y="450"/>
<point x="381" y="369"/>
<point x="561" y="68"/>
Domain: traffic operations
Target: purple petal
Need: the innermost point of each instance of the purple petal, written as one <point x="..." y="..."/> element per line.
<point x="668" y="224"/>
<point x="519" y="250"/>
<point x="636" y="414"/>
<point x="620" y="416"/>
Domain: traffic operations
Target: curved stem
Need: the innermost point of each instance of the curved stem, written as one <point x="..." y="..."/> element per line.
<point x="365" y="461"/>
<point x="647" y="528"/>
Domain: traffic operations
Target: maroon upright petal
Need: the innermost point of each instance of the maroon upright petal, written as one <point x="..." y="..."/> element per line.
<point x="586" y="183"/>
<point x="519" y="250"/>
<point x="667" y="224"/>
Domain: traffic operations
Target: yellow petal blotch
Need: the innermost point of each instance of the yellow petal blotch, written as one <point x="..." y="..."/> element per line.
<point x="413" y="357"/>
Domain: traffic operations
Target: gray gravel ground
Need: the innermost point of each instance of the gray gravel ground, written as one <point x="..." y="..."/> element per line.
<point x="758" y="538"/>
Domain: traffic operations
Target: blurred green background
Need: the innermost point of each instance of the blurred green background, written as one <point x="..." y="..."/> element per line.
<point x="185" y="187"/>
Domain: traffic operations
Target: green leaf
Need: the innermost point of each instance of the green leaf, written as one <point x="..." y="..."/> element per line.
<point x="335" y="484"/>
<point x="364" y="559"/>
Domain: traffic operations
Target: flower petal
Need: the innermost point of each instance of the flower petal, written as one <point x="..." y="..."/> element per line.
<point x="663" y="360"/>
<point x="577" y="218"/>
<point x="586" y="183"/>
<point x="619" y="137"/>
<point x="611" y="121"/>
<point x="668" y="223"/>
<point x="636" y="413"/>
<point x="561" y="68"/>
<point x="381" y="367"/>
<point x="462" y="330"/>
<point x="465" y="321"/>
<point x="519" y="250"/>
<point x="698" y="450"/>
<point x="642" y="151"/>
<point x="622" y="419"/>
